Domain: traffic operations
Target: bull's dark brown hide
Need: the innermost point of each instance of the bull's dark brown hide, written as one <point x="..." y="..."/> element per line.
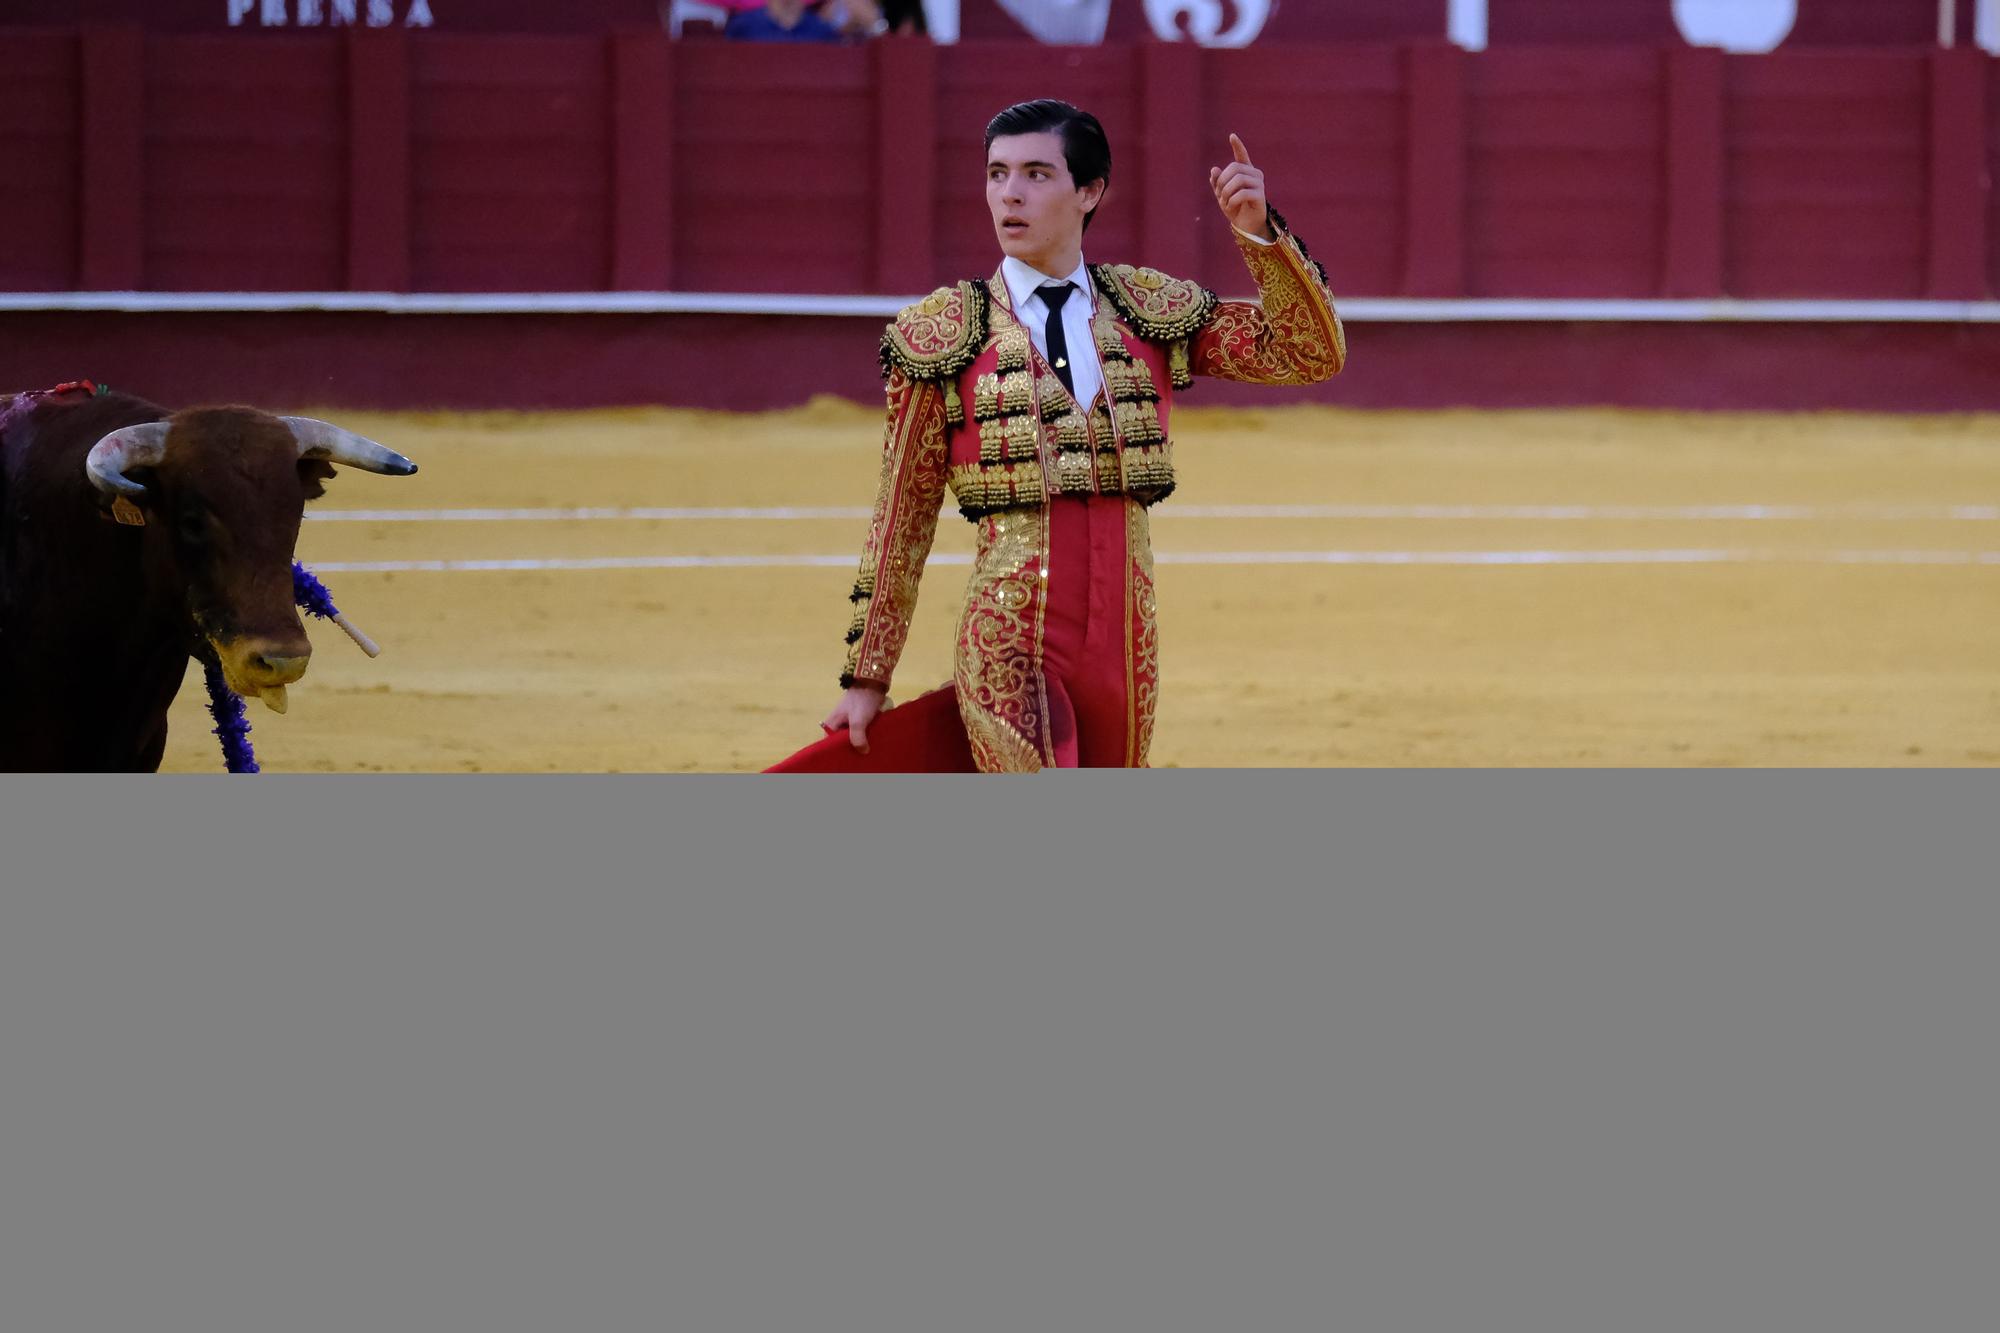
<point x="97" y="619"/>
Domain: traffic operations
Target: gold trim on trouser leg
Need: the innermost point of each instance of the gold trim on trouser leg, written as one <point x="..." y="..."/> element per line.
<point x="998" y="664"/>
<point x="1142" y="643"/>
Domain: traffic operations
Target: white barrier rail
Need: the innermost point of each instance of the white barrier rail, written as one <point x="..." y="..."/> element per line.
<point x="1358" y="309"/>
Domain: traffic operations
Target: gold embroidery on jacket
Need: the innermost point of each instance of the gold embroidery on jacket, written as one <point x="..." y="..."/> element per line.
<point x="1010" y="405"/>
<point x="907" y="498"/>
<point x="1139" y="423"/>
<point x="1159" y="308"/>
<point x="1017" y="392"/>
<point x="939" y="336"/>
<point x="1013" y="347"/>
<point x="1128" y="432"/>
<point x="1020" y="436"/>
<point x="1130" y="381"/>
<point x="1056" y="406"/>
<point x="1110" y="471"/>
<point x="1074" y="473"/>
<point x="980" y="490"/>
<point x="1290" y="335"/>
<point x="1071" y="438"/>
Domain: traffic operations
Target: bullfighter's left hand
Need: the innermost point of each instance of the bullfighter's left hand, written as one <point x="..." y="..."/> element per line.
<point x="1239" y="191"/>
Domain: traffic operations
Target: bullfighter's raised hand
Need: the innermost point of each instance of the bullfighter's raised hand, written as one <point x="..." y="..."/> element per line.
<point x="1239" y="190"/>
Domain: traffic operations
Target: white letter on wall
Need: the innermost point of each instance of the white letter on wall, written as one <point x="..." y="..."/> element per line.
<point x="941" y="20"/>
<point x="1736" y="25"/>
<point x="1062" y="22"/>
<point x="1465" y="23"/>
<point x="1205" y="20"/>
<point x="274" y="13"/>
<point x="237" y="9"/>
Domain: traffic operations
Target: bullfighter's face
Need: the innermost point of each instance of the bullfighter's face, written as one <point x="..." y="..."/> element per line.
<point x="1038" y="209"/>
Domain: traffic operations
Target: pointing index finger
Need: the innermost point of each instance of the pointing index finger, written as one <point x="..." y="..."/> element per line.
<point x="1236" y="147"/>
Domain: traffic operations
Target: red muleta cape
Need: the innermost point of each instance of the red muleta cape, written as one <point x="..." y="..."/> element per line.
<point x="924" y="735"/>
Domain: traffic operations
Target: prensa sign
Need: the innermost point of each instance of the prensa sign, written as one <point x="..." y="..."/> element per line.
<point x="330" y="13"/>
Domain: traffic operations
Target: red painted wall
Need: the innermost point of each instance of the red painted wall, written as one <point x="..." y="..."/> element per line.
<point x="1827" y="175"/>
<point x="775" y="169"/>
<point x="40" y="122"/>
<point x="1874" y="23"/>
<point x="1564" y="190"/>
<point x="245" y="180"/>
<point x="1527" y="21"/>
<point x="1341" y="175"/>
<point x="509" y="16"/>
<point x="1992" y="197"/>
<point x="383" y="161"/>
<point x="738" y="362"/>
<point x="1820" y="22"/>
<point x="510" y="180"/>
<point x="445" y="163"/>
<point x="1817" y="22"/>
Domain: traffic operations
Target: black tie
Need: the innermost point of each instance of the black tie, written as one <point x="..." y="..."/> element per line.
<point x="1053" y="297"/>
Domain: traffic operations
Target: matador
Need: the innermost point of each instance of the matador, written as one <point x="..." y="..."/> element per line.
<point x="1040" y="399"/>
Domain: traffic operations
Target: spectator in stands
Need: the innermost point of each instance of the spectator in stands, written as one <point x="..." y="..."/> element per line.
<point x="805" y="20"/>
<point x="781" y="21"/>
<point x="905" y="18"/>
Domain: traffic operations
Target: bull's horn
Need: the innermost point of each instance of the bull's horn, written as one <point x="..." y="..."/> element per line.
<point x="134" y="446"/>
<point x="323" y="439"/>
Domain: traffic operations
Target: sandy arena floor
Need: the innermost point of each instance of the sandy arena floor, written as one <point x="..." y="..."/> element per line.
<point x="1702" y="590"/>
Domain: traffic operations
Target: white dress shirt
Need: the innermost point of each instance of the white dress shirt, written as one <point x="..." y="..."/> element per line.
<point x="1084" y="370"/>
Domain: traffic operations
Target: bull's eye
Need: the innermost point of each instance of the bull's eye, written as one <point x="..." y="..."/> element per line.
<point x="193" y="527"/>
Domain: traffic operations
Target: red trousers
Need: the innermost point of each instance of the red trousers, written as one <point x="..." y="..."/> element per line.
<point x="1057" y="661"/>
<point x="1086" y="662"/>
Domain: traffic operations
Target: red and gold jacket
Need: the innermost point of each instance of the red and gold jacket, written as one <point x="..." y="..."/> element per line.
<point x="973" y="407"/>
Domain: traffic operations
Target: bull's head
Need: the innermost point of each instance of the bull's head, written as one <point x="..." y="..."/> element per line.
<point x="222" y="491"/>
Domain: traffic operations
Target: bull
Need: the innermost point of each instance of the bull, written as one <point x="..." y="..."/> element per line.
<point x="132" y="539"/>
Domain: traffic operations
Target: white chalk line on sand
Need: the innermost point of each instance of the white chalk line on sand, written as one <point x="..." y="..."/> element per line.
<point x="1461" y="513"/>
<point x="1461" y="558"/>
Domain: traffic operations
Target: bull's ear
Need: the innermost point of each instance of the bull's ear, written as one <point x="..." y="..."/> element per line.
<point x="313" y="476"/>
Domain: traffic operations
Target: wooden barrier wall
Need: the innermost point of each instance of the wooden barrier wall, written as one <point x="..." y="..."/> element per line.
<point x="379" y="161"/>
<point x="1813" y="22"/>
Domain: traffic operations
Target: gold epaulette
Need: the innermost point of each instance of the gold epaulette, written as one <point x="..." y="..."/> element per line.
<point x="1160" y="309"/>
<point x="939" y="335"/>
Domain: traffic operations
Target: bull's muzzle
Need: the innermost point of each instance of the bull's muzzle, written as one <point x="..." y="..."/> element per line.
<point x="258" y="668"/>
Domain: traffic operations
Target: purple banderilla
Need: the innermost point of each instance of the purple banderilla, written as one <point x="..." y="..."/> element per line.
<point x="225" y="705"/>
<point x="231" y="726"/>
